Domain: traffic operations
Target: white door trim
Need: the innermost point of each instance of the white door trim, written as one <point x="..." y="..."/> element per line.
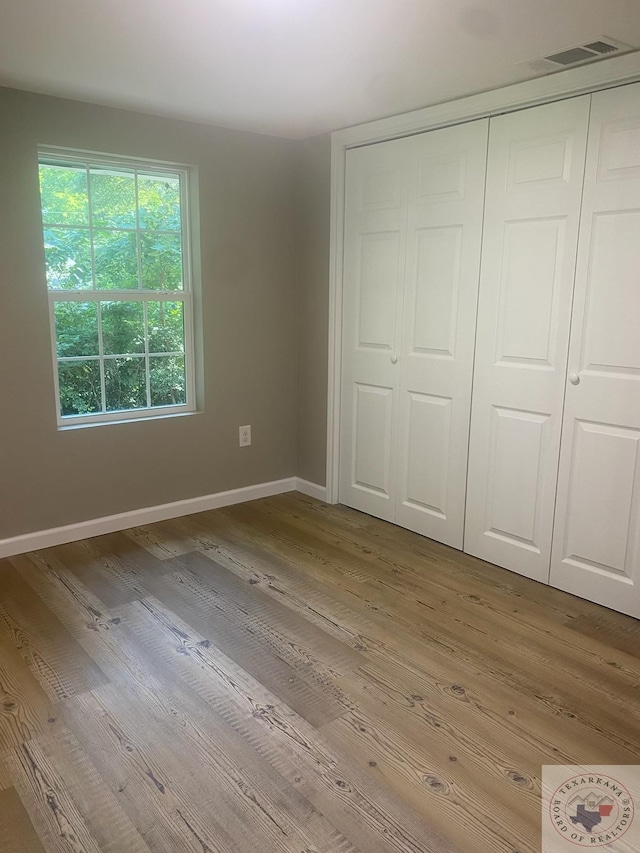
<point x="572" y="82"/>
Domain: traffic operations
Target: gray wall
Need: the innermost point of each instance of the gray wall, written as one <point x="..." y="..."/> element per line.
<point x="313" y="179"/>
<point x="50" y="477"/>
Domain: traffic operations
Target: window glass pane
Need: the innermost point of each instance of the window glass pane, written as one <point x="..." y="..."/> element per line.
<point x="115" y="227"/>
<point x="159" y="202"/>
<point x="166" y="326"/>
<point x="113" y="199"/>
<point x="125" y="383"/>
<point x="68" y="258"/>
<point x="63" y="192"/>
<point x="161" y="257"/>
<point x="122" y="327"/>
<point x="167" y="380"/>
<point x="79" y="383"/>
<point x="76" y="329"/>
<point x="116" y="260"/>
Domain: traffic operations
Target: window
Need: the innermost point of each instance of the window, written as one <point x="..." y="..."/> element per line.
<point x="118" y="276"/>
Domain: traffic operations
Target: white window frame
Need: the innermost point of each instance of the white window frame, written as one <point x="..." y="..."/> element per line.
<point x="71" y="157"/>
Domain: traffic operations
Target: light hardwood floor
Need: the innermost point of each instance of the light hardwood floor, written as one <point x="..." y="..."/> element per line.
<point x="292" y="677"/>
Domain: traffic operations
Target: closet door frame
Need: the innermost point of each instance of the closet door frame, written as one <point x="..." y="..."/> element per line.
<point x="586" y="79"/>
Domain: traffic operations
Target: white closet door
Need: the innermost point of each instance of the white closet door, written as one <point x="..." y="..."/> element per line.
<point x="596" y="545"/>
<point x="374" y="263"/>
<point x="445" y="188"/>
<point x="532" y="210"/>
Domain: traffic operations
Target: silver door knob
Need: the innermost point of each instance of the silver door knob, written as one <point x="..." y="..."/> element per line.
<point x="574" y="378"/>
<point x="394" y="359"/>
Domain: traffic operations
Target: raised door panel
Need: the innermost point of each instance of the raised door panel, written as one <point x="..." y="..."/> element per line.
<point x="429" y="430"/>
<point x="596" y="547"/>
<point x="436" y="291"/>
<point x="371" y="452"/>
<point x="532" y="210"/>
<point x="601" y="533"/>
<point x="530" y="290"/>
<point x="377" y="290"/>
<point x="441" y="176"/>
<point x="540" y="161"/>
<point x="618" y="145"/>
<point x="445" y="189"/>
<point x="518" y="450"/>
<point x="611" y="342"/>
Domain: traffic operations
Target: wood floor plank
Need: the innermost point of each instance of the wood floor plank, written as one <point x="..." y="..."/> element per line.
<point x="153" y="630"/>
<point x="442" y="579"/>
<point x="272" y="618"/>
<point x="154" y="543"/>
<point x="17" y="834"/>
<point x="609" y="630"/>
<point x="74" y="605"/>
<point x="117" y="549"/>
<point x="166" y="692"/>
<point x="283" y="738"/>
<point x="497" y="714"/>
<point x="71" y="784"/>
<point x="182" y="828"/>
<point x="456" y="743"/>
<point x="57" y="817"/>
<point x="517" y="663"/>
<point x="24" y="705"/>
<point x="5" y="778"/>
<point x="281" y="579"/>
<point x="448" y="794"/>
<point x="99" y="631"/>
<point x="431" y="566"/>
<point x="317" y="592"/>
<point x="278" y="667"/>
<point x="520" y="646"/>
<point x="105" y="576"/>
<point x="142" y="769"/>
<point x="59" y="664"/>
<point x="287" y="818"/>
<point x="365" y="811"/>
<point x="249" y="812"/>
<point x="299" y="678"/>
<point x="486" y="703"/>
<point x="160" y="540"/>
<point x="399" y="545"/>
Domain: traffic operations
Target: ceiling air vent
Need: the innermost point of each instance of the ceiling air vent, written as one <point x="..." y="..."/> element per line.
<point x="579" y="54"/>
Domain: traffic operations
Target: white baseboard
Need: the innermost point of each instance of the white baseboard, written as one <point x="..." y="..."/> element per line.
<point x="311" y="489"/>
<point x="124" y="520"/>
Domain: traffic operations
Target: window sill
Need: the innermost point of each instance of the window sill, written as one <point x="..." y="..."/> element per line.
<point x="65" y="427"/>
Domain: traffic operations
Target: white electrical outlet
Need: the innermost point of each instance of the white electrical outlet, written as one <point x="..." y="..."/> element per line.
<point x="245" y="436"/>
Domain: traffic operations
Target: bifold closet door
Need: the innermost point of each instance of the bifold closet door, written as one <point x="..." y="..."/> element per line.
<point x="374" y="264"/>
<point x="596" y="544"/>
<point x="532" y="211"/>
<point x="413" y="222"/>
<point x="444" y="236"/>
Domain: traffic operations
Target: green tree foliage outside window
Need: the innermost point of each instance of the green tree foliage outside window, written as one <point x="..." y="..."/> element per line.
<point x="113" y="240"/>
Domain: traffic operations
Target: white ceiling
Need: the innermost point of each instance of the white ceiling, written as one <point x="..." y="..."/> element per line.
<point x="289" y="67"/>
